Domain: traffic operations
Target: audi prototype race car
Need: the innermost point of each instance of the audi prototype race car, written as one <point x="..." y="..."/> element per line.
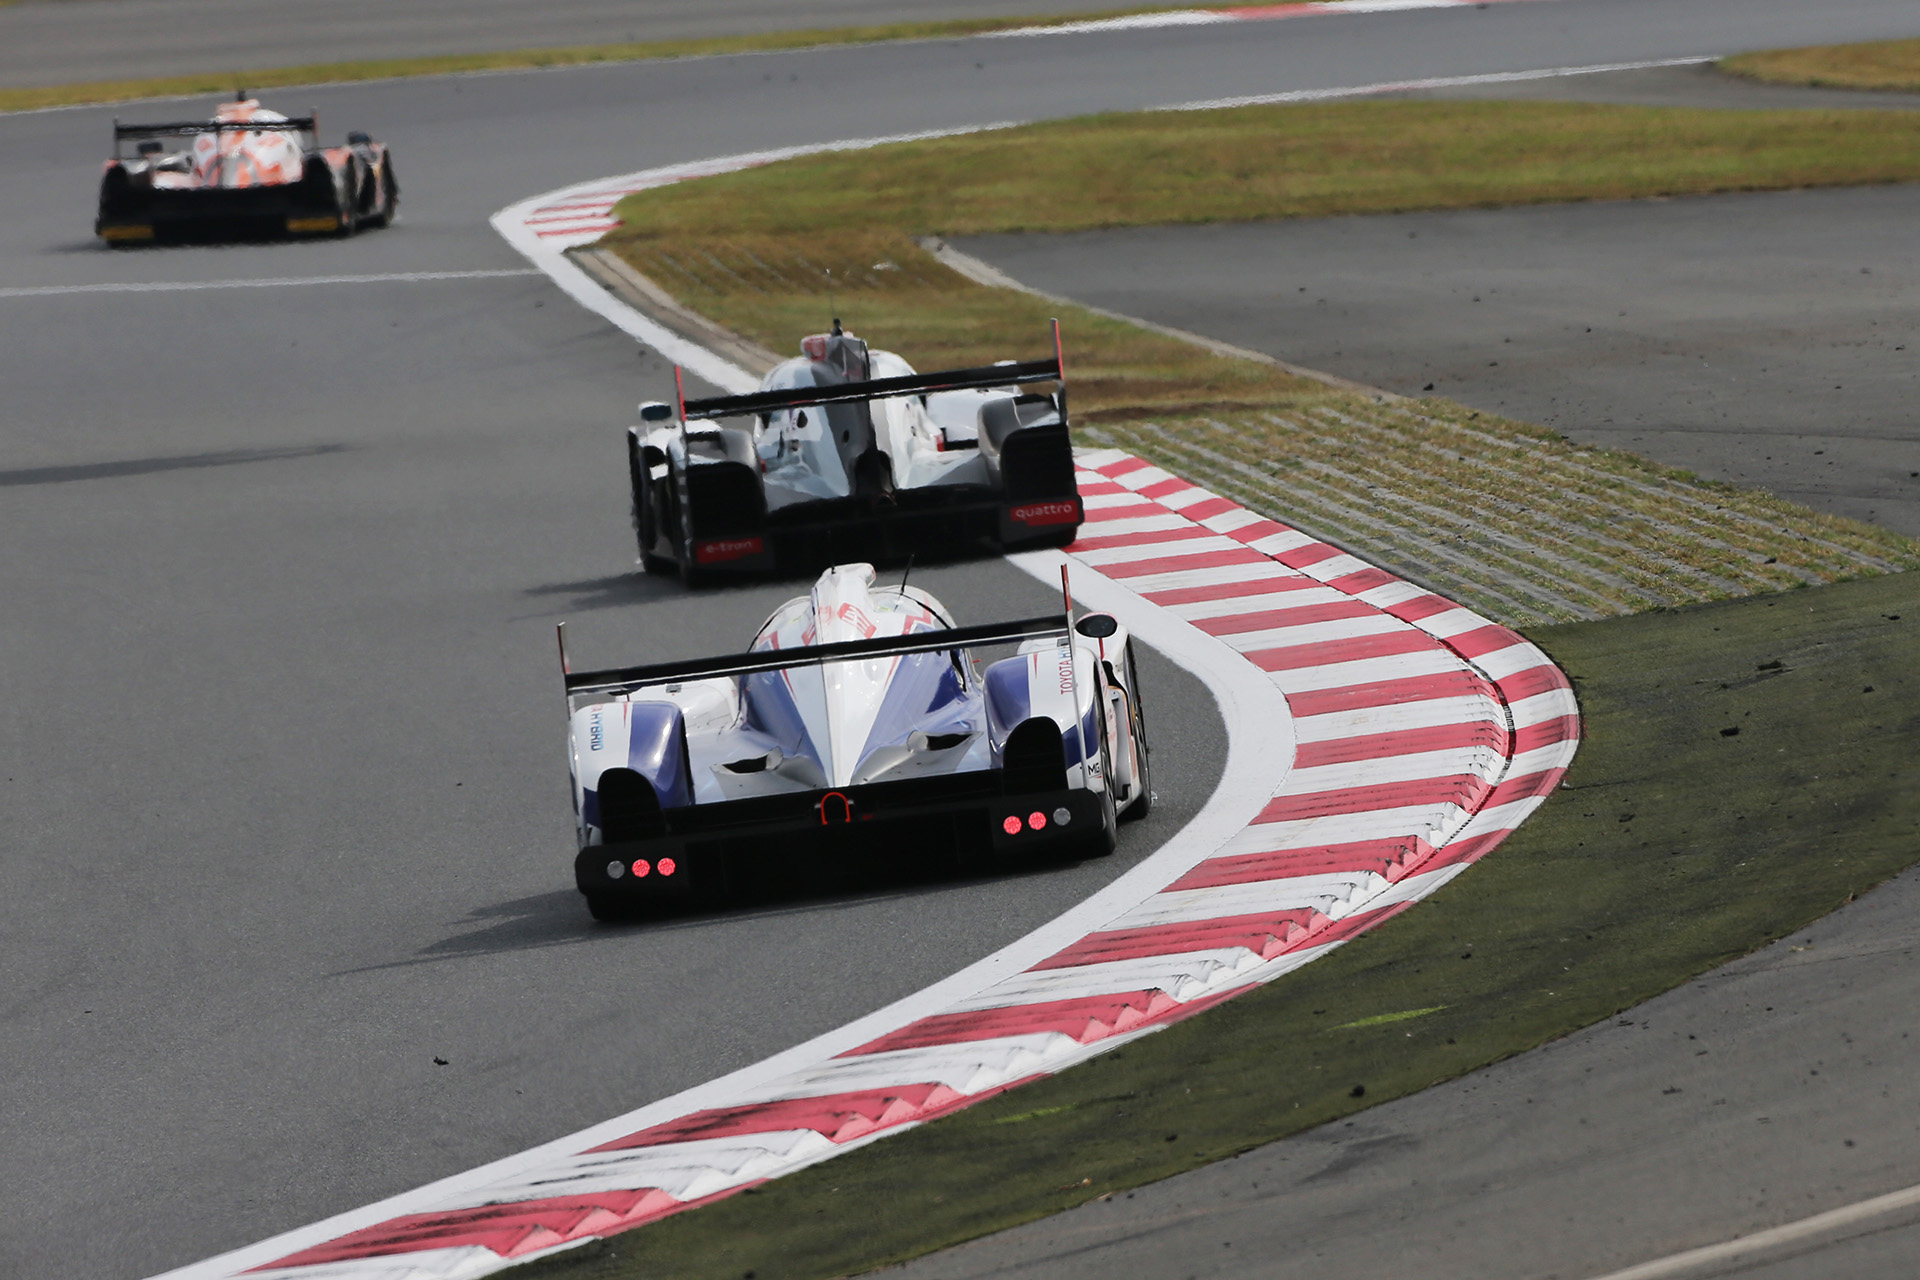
<point x="246" y="172"/>
<point x="861" y="729"/>
<point x="847" y="453"/>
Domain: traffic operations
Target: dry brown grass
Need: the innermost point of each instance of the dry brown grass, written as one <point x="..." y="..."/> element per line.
<point x="1158" y="168"/>
<point x="1890" y="65"/>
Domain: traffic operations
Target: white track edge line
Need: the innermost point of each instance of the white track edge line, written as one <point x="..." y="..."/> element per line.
<point x="1437" y="82"/>
<point x="1787" y="1233"/>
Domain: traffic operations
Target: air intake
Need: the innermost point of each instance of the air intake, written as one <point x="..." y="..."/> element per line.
<point x="629" y="809"/>
<point x="1034" y="760"/>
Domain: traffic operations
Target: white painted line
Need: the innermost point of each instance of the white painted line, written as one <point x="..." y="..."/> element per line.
<point x="1439" y="82"/>
<point x="1743" y="1246"/>
<point x="271" y="282"/>
<point x="1219" y="17"/>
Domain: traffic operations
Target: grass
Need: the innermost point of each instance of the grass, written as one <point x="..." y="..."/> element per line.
<point x="1890" y="65"/>
<point x="1522" y="524"/>
<point x="1675" y="847"/>
<point x="1168" y="167"/>
<point x="223" y="81"/>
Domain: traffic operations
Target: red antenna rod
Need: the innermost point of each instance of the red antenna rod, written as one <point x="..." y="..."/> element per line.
<point x="1066" y="591"/>
<point x="680" y="398"/>
<point x="1059" y="355"/>
<point x="560" y="633"/>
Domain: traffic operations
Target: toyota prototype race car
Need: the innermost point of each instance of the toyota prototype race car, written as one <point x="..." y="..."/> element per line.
<point x="246" y="172"/>
<point x="847" y="453"/>
<point x="859" y="730"/>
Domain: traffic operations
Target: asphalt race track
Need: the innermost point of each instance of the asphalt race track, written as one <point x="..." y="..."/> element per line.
<point x="284" y="788"/>
<point x="56" y="42"/>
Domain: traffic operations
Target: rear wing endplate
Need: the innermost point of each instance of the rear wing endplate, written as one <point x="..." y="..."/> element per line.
<point x="627" y="679"/>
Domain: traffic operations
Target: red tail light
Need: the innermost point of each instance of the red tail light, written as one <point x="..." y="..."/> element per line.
<point x="1036" y="820"/>
<point x="641" y="867"/>
<point x="667" y="866"/>
<point x="1012" y="825"/>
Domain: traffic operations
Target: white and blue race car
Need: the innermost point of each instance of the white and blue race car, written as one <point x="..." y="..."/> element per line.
<point x="848" y="453"/>
<point x="861" y="727"/>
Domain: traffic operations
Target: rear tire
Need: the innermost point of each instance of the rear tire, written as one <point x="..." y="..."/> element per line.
<point x="646" y="520"/>
<point x="388" y="202"/>
<point x="1142" y="806"/>
<point x="1100" y="844"/>
<point x="350" y="202"/>
<point x="691" y="574"/>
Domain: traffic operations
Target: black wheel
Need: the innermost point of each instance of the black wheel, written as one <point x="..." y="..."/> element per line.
<point x="1100" y="843"/>
<point x="350" y="201"/>
<point x="691" y="574"/>
<point x="386" y="203"/>
<point x="1143" y="750"/>
<point x="646" y="520"/>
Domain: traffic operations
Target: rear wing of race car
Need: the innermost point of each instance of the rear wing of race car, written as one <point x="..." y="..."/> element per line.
<point x="589" y="686"/>
<point x="137" y="133"/>
<point x="1011" y="373"/>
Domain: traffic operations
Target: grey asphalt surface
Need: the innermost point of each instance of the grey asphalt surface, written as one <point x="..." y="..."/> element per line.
<point x="46" y="42"/>
<point x="285" y="805"/>
<point x="1771" y="339"/>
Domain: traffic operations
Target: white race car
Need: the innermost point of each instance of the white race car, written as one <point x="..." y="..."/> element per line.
<point x="848" y="453"/>
<point x="248" y="171"/>
<point x="860" y="728"/>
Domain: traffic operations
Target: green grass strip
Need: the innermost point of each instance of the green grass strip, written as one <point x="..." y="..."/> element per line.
<point x="1171" y="167"/>
<point x="224" y="81"/>
<point x="1888" y="65"/>
<point x="1749" y="766"/>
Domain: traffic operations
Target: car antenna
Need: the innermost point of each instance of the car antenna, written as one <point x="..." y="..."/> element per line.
<point x="680" y="397"/>
<point x="1060" y="368"/>
<point x="1066" y="591"/>
<point x="560" y="633"/>
<point x="830" y="306"/>
<point x="907" y="573"/>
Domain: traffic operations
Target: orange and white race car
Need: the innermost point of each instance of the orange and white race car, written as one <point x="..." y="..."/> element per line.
<point x="247" y="172"/>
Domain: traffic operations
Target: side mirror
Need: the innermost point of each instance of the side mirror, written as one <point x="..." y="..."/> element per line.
<point x="655" y="411"/>
<point x="358" y="139"/>
<point x="1097" y="626"/>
